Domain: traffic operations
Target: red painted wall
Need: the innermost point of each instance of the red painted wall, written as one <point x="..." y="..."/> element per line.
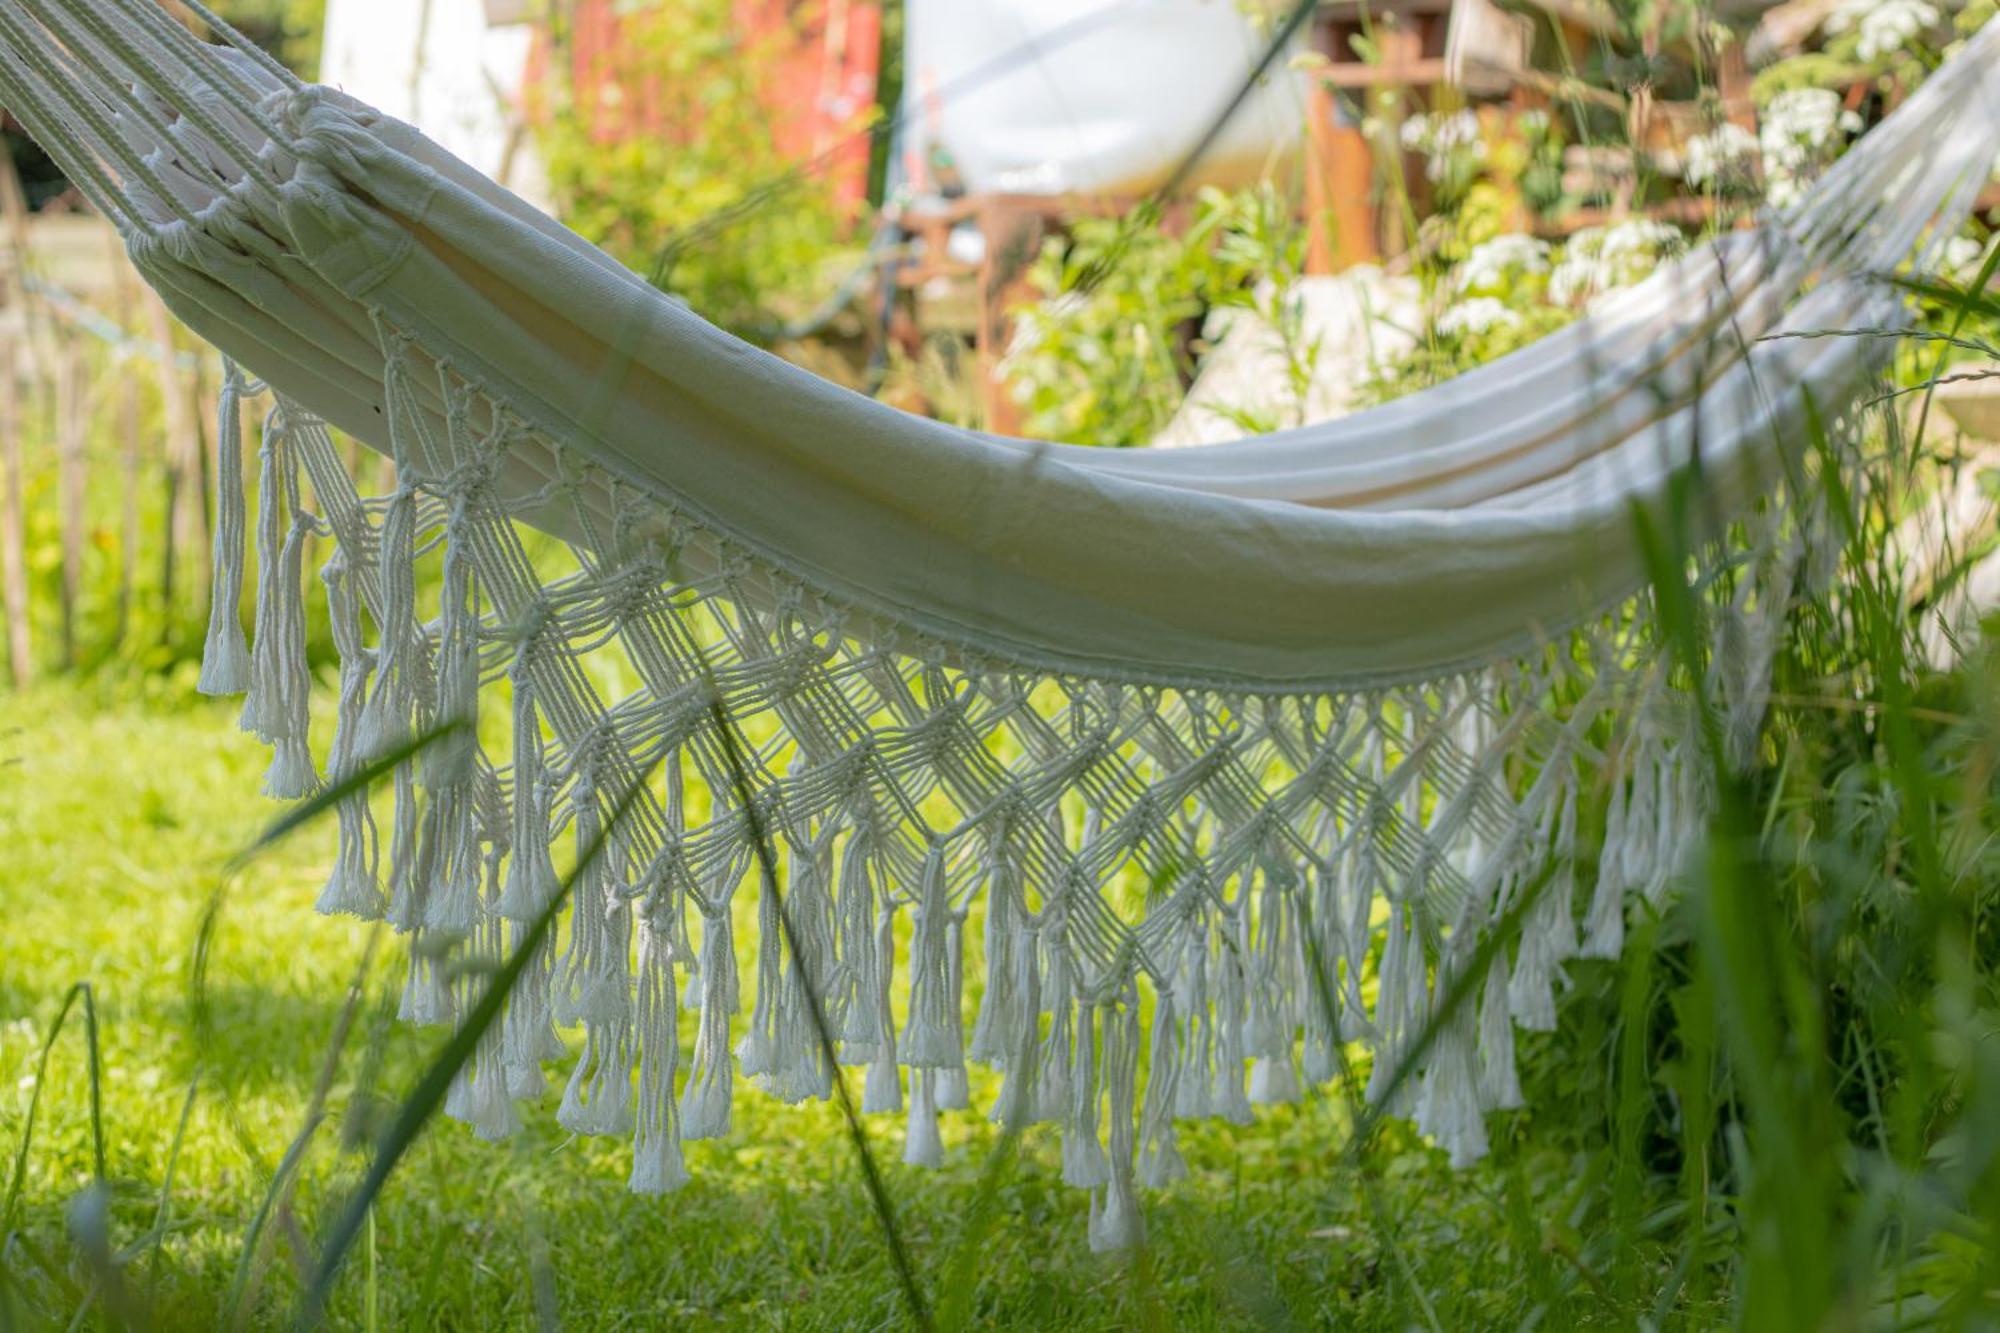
<point x="819" y="95"/>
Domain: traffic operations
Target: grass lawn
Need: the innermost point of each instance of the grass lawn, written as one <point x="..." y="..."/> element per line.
<point x="118" y="815"/>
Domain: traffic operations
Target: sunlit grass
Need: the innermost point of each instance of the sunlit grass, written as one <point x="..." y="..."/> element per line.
<point x="119" y="815"/>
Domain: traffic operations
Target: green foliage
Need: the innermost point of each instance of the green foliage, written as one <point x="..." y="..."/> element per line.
<point x="690" y="187"/>
<point x="288" y="29"/>
<point x="1105" y="355"/>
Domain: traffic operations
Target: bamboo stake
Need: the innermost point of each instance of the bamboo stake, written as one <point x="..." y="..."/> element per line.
<point x="13" y="521"/>
<point x="183" y="460"/>
<point x="13" y="503"/>
<point x="131" y="448"/>
<point x="72" y="414"/>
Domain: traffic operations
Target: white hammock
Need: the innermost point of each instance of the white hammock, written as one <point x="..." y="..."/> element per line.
<point x="1343" y="693"/>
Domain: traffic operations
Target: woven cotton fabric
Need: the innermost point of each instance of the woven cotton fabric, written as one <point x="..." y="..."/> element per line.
<point x="1213" y="764"/>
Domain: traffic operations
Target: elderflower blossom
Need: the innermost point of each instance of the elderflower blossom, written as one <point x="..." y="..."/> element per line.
<point x="1444" y="139"/>
<point x="1599" y="259"/>
<point x="1725" y="153"/>
<point x="1883" y="27"/>
<point x="1480" y="314"/>
<point x="1489" y="266"/>
<point x="1796" y="134"/>
<point x="1961" y="258"/>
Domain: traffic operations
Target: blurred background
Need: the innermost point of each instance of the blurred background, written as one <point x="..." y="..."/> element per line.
<point x="1033" y="217"/>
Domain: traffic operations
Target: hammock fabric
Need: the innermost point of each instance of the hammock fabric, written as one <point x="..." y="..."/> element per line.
<point x="1194" y="732"/>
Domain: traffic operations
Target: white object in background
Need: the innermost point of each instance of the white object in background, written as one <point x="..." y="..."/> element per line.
<point x="1050" y="97"/>
<point x="1358" y="320"/>
<point x="452" y="68"/>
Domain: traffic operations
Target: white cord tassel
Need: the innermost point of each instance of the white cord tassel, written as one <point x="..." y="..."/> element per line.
<point x="657" y="1166"/>
<point x="1160" y="1161"/>
<point x="705" y="1102"/>
<point x="1447" y="1106"/>
<point x="800" y="1069"/>
<point x="225" y="654"/>
<point x="860" y="981"/>
<point x="530" y="1035"/>
<point x="531" y="871"/>
<point x="1052" y="1091"/>
<point x="882" y="1091"/>
<point x="275" y="708"/>
<point x="954" y="1089"/>
<point x="1083" y="1163"/>
<point x="921" y="1144"/>
<point x="1268" y="1035"/>
<point x="598" y="1098"/>
<point x="426" y="998"/>
<point x="352" y="887"/>
<point x="595" y="985"/>
<point x="1604" y="926"/>
<point x="1548" y="937"/>
<point x="1115" y="1222"/>
<point x="1014" y="1108"/>
<point x="756" y="1053"/>
<point x="927" y="1037"/>
<point x="1499" y="1084"/>
<point x="481" y="1088"/>
<point x="1192" y="1100"/>
<point x="995" y="1025"/>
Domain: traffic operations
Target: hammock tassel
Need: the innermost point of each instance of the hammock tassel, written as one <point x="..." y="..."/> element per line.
<point x="800" y="1069"/>
<point x="954" y="1088"/>
<point x="1015" y="1107"/>
<point x="594" y="985"/>
<point x="882" y="1091"/>
<point x="1604" y="925"/>
<point x="1226" y="1098"/>
<point x="858" y="993"/>
<point x="529" y="1038"/>
<point x="479" y="1095"/>
<point x="352" y="888"/>
<point x="531" y="871"/>
<point x="426" y="999"/>
<point x="1499" y="1084"/>
<point x="705" y="1101"/>
<point x="275" y="708"/>
<point x="1083" y="1162"/>
<point x="1160" y="1161"/>
<point x="1052" y="1090"/>
<point x="657" y="1165"/>
<point x="921" y="1144"/>
<point x="1268" y="1035"/>
<point x="1447" y="1103"/>
<point x="927" y="1037"/>
<point x="994" y="1025"/>
<point x="1548" y="937"/>
<point x="1191" y="1097"/>
<point x="225" y="654"/>
<point x="1115" y="1221"/>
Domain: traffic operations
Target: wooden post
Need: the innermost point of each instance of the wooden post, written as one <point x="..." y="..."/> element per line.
<point x="13" y="520"/>
<point x="1013" y="230"/>
<point x="72" y="415"/>
<point x="131" y="448"/>
<point x="13" y="499"/>
<point x="183" y="463"/>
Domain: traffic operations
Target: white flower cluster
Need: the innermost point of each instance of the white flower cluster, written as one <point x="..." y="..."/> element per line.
<point x="1884" y="27"/>
<point x="1492" y="265"/>
<point x="1961" y="259"/>
<point x="1480" y="314"/>
<point x="1727" y="152"/>
<point x="1598" y="259"/>
<point x="1796" y="134"/>
<point x="1442" y="138"/>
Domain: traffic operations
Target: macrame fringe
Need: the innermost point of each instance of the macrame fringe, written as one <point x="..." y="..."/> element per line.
<point x="1292" y="924"/>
